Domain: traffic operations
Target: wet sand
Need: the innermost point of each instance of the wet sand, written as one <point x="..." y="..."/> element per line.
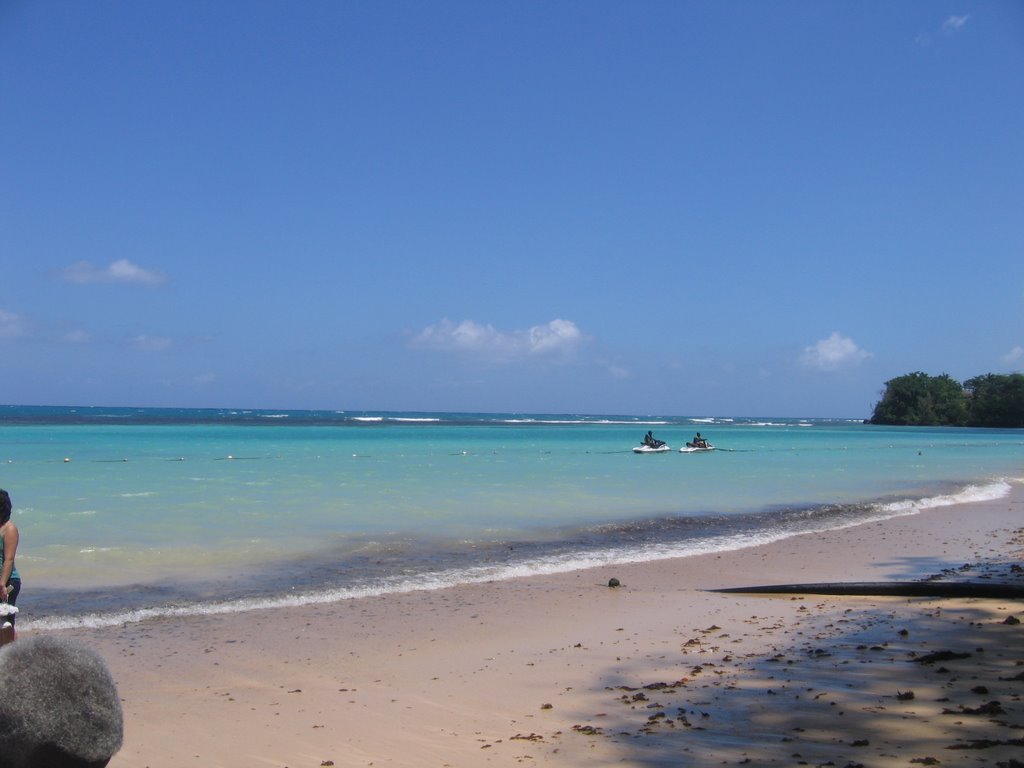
<point x="563" y="670"/>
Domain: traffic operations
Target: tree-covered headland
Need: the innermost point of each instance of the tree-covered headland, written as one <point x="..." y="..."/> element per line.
<point x="920" y="400"/>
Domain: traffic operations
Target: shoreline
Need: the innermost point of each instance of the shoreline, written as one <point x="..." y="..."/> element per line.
<point x="562" y="670"/>
<point x="234" y="591"/>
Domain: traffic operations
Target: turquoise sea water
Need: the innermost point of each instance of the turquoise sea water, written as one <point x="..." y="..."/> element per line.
<point x="127" y="513"/>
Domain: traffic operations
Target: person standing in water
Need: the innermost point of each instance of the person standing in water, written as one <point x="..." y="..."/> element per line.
<point x="10" y="580"/>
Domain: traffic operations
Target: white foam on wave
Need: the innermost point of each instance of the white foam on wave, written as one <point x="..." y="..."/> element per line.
<point x="424" y="583"/>
<point x="542" y="566"/>
<point x="587" y="421"/>
<point x="972" y="494"/>
<point x="368" y="418"/>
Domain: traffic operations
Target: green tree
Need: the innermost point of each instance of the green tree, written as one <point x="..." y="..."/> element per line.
<point x="996" y="400"/>
<point x="918" y="399"/>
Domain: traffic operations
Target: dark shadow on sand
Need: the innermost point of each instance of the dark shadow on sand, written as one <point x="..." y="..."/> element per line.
<point x="867" y="682"/>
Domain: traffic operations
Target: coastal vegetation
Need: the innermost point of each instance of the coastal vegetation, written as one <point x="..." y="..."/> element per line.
<point x="921" y="400"/>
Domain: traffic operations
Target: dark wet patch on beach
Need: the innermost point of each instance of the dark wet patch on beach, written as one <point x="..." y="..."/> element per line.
<point x="379" y="564"/>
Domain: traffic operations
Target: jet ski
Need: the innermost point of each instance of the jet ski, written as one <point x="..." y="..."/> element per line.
<point x="694" y="448"/>
<point x="652" y="448"/>
<point x="651" y="444"/>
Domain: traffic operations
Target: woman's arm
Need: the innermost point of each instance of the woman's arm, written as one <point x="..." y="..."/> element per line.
<point x="10" y="549"/>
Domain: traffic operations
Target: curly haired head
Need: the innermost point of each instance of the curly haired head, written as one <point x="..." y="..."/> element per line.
<point x="59" y="706"/>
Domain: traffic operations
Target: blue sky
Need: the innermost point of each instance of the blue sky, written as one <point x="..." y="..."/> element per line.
<point x="692" y="208"/>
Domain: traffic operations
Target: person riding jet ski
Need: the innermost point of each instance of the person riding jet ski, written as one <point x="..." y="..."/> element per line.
<point x="651" y="441"/>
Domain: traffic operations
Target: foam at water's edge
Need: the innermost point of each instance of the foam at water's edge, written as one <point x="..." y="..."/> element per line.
<point x="561" y="563"/>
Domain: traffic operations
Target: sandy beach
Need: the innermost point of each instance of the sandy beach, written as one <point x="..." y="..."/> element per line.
<point x="563" y="670"/>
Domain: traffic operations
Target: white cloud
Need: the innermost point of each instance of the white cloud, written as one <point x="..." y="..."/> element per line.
<point x="833" y="353"/>
<point x="77" y="336"/>
<point x="151" y="343"/>
<point x="11" y="325"/>
<point x="557" y="336"/>
<point x="951" y="26"/>
<point x="955" y="23"/>
<point x="120" y="271"/>
<point x="1014" y="356"/>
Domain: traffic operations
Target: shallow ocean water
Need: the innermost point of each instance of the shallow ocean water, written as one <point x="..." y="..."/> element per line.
<point x="133" y="512"/>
